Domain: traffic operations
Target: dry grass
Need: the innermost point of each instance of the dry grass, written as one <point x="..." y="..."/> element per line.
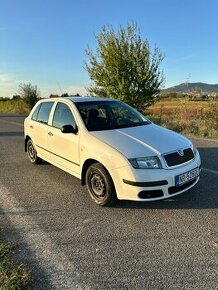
<point x="199" y="118"/>
<point x="13" y="107"/>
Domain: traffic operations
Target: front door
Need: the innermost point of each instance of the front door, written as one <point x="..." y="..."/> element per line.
<point x="64" y="147"/>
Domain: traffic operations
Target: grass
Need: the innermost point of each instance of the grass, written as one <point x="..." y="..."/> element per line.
<point x="13" y="107"/>
<point x="12" y="276"/>
<point x="198" y="118"/>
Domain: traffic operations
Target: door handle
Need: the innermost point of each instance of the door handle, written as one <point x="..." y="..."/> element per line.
<point x="31" y="127"/>
<point x="50" y="134"/>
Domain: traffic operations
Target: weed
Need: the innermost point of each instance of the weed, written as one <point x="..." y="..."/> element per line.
<point x="12" y="276"/>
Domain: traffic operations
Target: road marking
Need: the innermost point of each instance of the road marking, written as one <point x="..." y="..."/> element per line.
<point x="59" y="270"/>
<point x="210" y="170"/>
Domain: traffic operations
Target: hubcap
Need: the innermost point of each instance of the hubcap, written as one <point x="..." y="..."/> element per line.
<point x="98" y="185"/>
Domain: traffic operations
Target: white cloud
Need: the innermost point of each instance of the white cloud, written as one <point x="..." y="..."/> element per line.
<point x="9" y="84"/>
<point x="5" y="78"/>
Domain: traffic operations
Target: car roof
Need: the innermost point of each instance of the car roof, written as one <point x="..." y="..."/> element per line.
<point x="78" y="99"/>
<point x="87" y="99"/>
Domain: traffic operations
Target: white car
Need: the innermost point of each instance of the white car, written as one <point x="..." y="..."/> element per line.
<point x="112" y="148"/>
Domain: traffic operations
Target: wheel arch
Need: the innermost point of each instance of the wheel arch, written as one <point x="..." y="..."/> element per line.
<point x="27" y="138"/>
<point x="86" y="165"/>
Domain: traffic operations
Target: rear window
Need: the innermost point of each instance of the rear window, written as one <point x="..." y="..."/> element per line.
<point x="35" y="113"/>
<point x="44" y="112"/>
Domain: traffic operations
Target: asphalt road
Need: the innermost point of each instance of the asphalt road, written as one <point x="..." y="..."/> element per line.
<point x="68" y="242"/>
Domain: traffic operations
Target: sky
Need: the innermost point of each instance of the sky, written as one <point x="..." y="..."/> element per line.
<point x="44" y="41"/>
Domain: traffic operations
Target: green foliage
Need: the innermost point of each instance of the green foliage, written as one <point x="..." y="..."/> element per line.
<point x="54" y="96"/>
<point x="16" y="97"/>
<point x="12" y="276"/>
<point x="124" y="67"/>
<point x="29" y="93"/>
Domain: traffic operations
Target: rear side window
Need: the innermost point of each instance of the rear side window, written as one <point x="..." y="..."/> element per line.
<point x="44" y="112"/>
<point x="63" y="116"/>
<point x="35" y="113"/>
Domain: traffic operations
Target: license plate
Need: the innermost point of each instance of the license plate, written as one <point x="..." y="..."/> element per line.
<point x="186" y="177"/>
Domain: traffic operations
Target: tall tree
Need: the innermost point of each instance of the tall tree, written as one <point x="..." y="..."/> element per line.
<point x="29" y="93"/>
<point x="124" y="67"/>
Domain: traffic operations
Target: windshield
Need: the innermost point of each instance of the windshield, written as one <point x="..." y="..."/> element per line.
<point x="107" y="115"/>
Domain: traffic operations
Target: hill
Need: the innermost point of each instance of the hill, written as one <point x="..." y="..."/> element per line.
<point x="190" y="87"/>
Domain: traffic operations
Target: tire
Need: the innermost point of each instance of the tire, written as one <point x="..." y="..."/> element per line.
<point x="32" y="154"/>
<point x="100" y="185"/>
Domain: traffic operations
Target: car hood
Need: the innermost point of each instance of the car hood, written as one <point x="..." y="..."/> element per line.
<point x="147" y="140"/>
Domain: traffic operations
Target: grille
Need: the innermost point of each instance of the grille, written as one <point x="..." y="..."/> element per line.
<point x="175" y="158"/>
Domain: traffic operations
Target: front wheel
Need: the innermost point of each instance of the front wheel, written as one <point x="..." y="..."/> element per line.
<point x="32" y="154"/>
<point x="100" y="185"/>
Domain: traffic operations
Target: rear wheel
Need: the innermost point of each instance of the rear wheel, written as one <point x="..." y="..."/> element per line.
<point x="100" y="185"/>
<point x="32" y="154"/>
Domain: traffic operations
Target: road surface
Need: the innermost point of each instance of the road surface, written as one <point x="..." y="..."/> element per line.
<point x="68" y="242"/>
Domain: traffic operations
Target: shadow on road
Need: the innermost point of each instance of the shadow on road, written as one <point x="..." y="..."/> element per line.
<point x="12" y="116"/>
<point x="11" y="134"/>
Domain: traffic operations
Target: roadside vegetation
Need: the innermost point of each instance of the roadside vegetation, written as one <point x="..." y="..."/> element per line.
<point x="21" y="103"/>
<point x="12" y="276"/>
<point x="186" y="116"/>
<point x="197" y="118"/>
<point x="13" y="107"/>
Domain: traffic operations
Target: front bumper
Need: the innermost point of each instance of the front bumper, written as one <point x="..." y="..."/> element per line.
<point x="153" y="184"/>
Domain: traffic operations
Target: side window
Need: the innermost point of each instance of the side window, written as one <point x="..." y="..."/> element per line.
<point x="44" y="112"/>
<point x="35" y="113"/>
<point x="63" y="116"/>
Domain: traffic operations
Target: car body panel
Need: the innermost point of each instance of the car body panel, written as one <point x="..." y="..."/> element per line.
<point x="147" y="140"/>
<point x="111" y="148"/>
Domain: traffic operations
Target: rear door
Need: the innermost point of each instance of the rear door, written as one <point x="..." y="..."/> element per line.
<point x="39" y="128"/>
<point x="64" y="147"/>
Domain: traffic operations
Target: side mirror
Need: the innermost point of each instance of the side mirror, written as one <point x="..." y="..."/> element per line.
<point x="69" y="129"/>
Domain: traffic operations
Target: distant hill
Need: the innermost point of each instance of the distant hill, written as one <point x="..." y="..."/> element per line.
<point x="190" y="87"/>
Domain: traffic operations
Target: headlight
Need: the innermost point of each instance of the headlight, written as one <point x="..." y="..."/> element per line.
<point x="146" y="162"/>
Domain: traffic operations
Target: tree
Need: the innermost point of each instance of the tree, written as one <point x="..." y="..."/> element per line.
<point x="16" y="97"/>
<point x="54" y="96"/>
<point x="124" y="67"/>
<point x="29" y="93"/>
<point x="64" y="95"/>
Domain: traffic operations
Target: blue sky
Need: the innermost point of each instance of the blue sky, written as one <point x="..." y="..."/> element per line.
<point x="44" y="41"/>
